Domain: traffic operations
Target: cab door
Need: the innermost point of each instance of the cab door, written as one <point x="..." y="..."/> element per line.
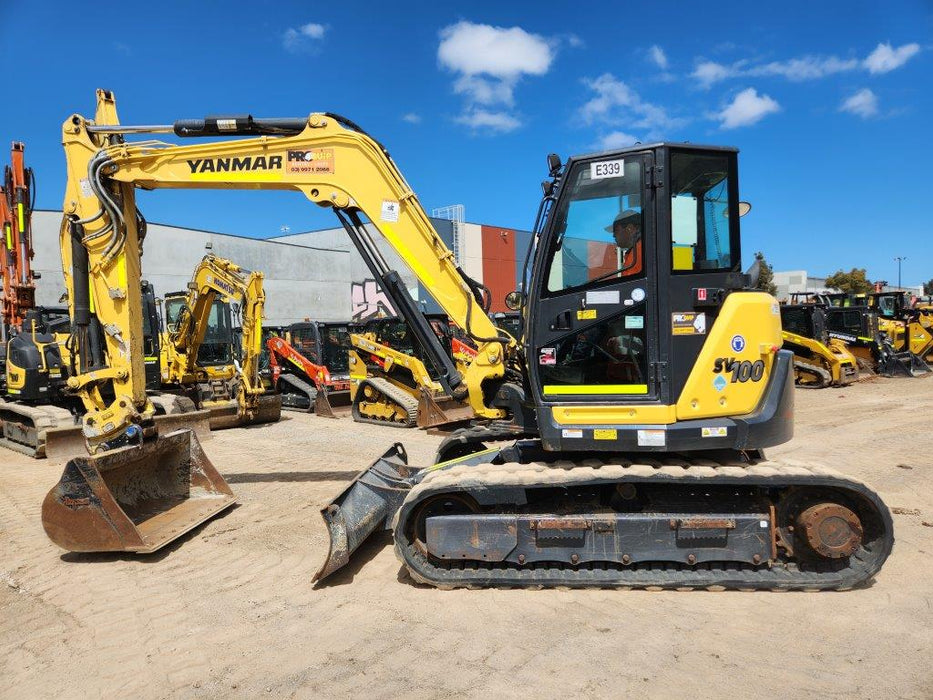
<point x="593" y="327"/>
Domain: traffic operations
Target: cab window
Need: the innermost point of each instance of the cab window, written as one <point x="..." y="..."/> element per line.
<point x="701" y="238"/>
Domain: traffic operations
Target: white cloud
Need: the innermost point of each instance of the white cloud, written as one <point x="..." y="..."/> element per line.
<point x="709" y="72"/>
<point x="484" y="91"/>
<point x="615" y="139"/>
<point x="864" y="103"/>
<point x="885" y="58"/>
<point x="616" y="104"/>
<point x="411" y="118"/>
<point x="806" y="68"/>
<point x="489" y="62"/>
<point x="304" y="37"/>
<point x="505" y="53"/>
<point x="478" y="119"/>
<point x="658" y="57"/>
<point x="575" y="42"/>
<point x="746" y="109"/>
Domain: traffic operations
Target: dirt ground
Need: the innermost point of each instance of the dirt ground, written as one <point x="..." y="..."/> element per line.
<point x="229" y="611"/>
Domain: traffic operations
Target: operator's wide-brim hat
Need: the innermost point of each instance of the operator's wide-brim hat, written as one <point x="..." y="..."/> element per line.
<point x="624" y="217"/>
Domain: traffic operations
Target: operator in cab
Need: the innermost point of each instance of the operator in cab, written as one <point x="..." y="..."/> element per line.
<point x="626" y="230"/>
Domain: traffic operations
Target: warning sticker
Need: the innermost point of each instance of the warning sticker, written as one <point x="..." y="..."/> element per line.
<point x="586" y="315"/>
<point x="571" y="433"/>
<point x="547" y="356"/>
<point x="688" y="323"/>
<point x="390" y="209"/>
<point x="635" y="322"/>
<point x="605" y="434"/>
<point x="714" y="432"/>
<point x="314" y="161"/>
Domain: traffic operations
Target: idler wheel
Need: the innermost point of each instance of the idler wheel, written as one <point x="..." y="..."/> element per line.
<point x="831" y="530"/>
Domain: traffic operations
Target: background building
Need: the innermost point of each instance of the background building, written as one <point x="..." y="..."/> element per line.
<point x="315" y="274"/>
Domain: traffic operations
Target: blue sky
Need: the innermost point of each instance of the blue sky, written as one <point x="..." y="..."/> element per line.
<point x="830" y="103"/>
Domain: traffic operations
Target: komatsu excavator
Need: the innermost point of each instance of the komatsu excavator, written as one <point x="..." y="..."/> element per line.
<point x="231" y="390"/>
<point x="621" y="446"/>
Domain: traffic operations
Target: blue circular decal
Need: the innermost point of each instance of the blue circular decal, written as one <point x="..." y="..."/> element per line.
<point x="738" y="343"/>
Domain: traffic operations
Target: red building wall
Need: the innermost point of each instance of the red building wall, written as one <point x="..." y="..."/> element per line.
<point x="498" y="264"/>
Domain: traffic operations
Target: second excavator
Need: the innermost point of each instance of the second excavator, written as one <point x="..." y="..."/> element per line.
<point x="622" y="445"/>
<point x="197" y="353"/>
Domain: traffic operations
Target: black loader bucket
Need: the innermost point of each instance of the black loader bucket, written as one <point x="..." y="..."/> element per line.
<point x="366" y="505"/>
<point x="135" y="499"/>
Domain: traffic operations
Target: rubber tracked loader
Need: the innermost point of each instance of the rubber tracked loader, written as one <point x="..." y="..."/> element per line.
<point x="309" y="366"/>
<point x="819" y="361"/>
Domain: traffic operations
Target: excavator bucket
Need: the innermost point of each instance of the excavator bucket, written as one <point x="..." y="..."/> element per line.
<point x="64" y="443"/>
<point x="135" y="499"/>
<point x="433" y="413"/>
<point x="366" y="505"/>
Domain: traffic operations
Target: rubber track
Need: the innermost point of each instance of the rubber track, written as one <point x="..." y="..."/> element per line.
<point x="664" y="575"/>
<point x="302" y="386"/>
<point x="393" y="393"/>
<point x="42" y="418"/>
<point x="478" y="435"/>
<point x="825" y="377"/>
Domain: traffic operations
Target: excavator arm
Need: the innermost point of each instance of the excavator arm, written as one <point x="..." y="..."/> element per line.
<point x="324" y="157"/>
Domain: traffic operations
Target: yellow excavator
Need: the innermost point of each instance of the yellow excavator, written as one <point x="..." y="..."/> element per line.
<point x="621" y="446"/>
<point x="197" y="348"/>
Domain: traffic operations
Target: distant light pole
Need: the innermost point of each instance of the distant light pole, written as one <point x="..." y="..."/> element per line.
<point x="899" y="261"/>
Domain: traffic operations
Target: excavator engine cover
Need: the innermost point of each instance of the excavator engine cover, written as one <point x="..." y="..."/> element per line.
<point x="135" y="499"/>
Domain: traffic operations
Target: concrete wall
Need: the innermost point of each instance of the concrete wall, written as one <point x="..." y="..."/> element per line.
<point x="300" y="282"/>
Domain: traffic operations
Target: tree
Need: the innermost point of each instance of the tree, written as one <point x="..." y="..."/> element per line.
<point x="765" y="275"/>
<point x="853" y="282"/>
<point x="928" y="287"/>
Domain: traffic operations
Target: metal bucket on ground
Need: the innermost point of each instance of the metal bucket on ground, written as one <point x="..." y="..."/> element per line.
<point x="135" y="499"/>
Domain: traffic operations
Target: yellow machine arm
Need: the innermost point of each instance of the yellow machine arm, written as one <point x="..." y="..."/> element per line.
<point x="216" y="276"/>
<point x="389" y="356"/>
<point x="324" y="157"/>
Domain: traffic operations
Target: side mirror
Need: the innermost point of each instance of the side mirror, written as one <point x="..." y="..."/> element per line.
<point x="553" y="164"/>
<point x="514" y="300"/>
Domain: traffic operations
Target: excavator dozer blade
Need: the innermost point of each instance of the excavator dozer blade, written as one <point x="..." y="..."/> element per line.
<point x="135" y="499"/>
<point x="368" y="504"/>
<point x="433" y="413"/>
<point x="62" y="444"/>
